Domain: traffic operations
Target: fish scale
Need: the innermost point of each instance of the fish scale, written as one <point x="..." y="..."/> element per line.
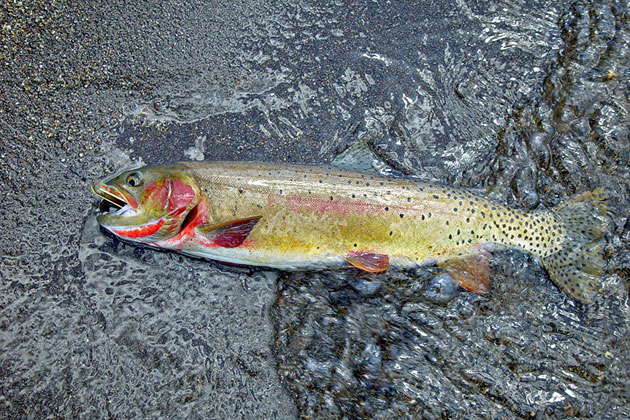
<point x="297" y="217"/>
<point x="337" y="209"/>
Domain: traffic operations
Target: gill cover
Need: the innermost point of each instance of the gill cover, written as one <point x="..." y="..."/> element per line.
<point x="147" y="204"/>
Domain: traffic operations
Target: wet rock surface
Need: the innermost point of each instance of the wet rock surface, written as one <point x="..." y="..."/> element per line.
<point x="525" y="102"/>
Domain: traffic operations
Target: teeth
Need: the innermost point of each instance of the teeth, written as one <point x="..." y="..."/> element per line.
<point x="120" y="211"/>
<point x="126" y="210"/>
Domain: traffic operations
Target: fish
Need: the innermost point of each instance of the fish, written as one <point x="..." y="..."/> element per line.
<point x="303" y="217"/>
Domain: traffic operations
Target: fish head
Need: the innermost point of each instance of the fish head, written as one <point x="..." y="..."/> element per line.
<point x="147" y="204"/>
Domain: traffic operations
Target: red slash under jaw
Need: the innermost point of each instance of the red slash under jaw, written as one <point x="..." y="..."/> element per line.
<point x="142" y="231"/>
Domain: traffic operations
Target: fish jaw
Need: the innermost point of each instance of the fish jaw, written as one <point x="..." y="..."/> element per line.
<point x="141" y="231"/>
<point x="147" y="204"/>
<point x="113" y="195"/>
<point x="119" y="210"/>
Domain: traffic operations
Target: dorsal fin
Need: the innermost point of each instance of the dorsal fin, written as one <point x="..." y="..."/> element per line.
<point x="359" y="157"/>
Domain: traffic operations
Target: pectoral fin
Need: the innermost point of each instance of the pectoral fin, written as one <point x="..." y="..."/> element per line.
<point x="228" y="234"/>
<point x="470" y="270"/>
<point x="368" y="261"/>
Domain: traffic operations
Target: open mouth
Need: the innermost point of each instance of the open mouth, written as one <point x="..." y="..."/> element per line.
<point x="120" y="214"/>
<point x="112" y="201"/>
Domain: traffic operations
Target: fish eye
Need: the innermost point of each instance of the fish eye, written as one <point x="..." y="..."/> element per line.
<point x="134" y="179"/>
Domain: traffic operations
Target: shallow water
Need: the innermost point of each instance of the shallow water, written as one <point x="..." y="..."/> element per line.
<point x="525" y="102"/>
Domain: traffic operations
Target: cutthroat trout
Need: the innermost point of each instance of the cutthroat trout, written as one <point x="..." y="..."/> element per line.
<point x="295" y="217"/>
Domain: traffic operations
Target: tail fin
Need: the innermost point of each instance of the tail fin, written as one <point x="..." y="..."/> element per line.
<point x="577" y="266"/>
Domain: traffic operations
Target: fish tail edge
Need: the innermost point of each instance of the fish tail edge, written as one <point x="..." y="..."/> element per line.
<point x="576" y="267"/>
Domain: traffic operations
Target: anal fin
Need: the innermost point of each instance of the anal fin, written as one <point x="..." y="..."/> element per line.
<point x="368" y="261"/>
<point x="471" y="270"/>
<point x="228" y="234"/>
